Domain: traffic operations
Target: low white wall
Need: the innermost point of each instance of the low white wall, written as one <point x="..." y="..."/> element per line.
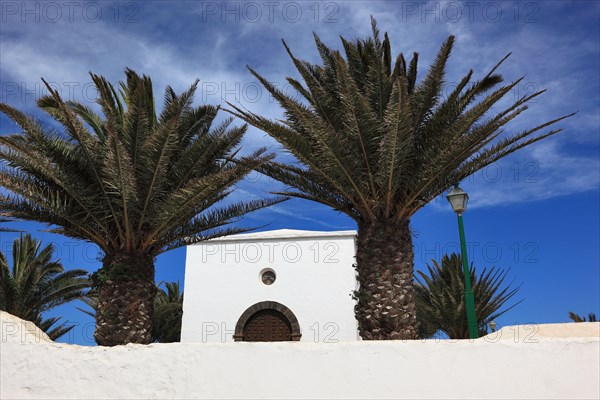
<point x="523" y="367"/>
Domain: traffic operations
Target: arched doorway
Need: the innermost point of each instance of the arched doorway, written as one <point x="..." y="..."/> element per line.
<point x="267" y="321"/>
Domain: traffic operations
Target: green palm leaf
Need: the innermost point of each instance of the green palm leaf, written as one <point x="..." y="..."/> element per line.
<point x="36" y="284"/>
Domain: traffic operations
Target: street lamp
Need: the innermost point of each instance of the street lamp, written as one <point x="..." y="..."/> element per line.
<point x="493" y="326"/>
<point x="458" y="199"/>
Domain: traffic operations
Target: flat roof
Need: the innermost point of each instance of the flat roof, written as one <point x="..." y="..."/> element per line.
<point x="280" y="234"/>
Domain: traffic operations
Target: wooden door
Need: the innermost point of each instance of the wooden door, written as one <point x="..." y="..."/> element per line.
<point x="267" y="326"/>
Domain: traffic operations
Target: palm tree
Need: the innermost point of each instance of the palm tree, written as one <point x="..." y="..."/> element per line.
<point x="578" y="318"/>
<point x="135" y="183"/>
<point x="168" y="314"/>
<point x="36" y="284"/>
<point x="377" y="145"/>
<point x="440" y="297"/>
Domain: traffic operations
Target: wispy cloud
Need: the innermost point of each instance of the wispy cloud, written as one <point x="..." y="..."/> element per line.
<point x="215" y="45"/>
<point x="545" y="171"/>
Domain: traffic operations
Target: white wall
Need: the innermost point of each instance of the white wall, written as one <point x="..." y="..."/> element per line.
<point x="554" y="361"/>
<point x="315" y="278"/>
<point x="551" y="368"/>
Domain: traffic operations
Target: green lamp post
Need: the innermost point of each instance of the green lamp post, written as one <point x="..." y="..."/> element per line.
<point x="458" y="200"/>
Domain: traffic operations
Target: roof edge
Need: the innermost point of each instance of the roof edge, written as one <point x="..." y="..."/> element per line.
<point x="278" y="235"/>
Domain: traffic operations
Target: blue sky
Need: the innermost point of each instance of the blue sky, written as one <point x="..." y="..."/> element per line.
<point x="535" y="212"/>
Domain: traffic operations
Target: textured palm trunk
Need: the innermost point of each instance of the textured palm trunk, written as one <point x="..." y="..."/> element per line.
<point x="384" y="262"/>
<point x="126" y="297"/>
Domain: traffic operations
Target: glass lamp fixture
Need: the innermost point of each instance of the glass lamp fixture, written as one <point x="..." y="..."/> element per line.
<point x="458" y="199"/>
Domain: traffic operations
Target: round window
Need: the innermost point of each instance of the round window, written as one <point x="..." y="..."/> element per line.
<point x="267" y="276"/>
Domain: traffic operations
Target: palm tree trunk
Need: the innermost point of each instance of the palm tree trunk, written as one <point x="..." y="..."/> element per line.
<point x="384" y="263"/>
<point x="126" y="294"/>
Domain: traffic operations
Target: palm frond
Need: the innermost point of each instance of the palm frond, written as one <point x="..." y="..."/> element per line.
<point x="378" y="144"/>
<point x="125" y="178"/>
<point x="440" y="297"/>
<point x="36" y="284"/>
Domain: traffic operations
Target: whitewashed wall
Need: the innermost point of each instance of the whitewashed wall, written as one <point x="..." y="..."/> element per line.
<point x="315" y="279"/>
<point x="555" y="361"/>
<point x="552" y="368"/>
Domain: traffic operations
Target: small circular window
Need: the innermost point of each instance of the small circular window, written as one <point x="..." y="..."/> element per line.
<point x="267" y="276"/>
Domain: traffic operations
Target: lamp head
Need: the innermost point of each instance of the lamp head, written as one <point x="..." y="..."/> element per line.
<point x="458" y="199"/>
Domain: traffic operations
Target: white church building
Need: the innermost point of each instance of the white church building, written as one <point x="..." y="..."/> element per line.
<point x="282" y="285"/>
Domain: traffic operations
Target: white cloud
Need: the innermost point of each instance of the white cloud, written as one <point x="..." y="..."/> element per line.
<point x="65" y="52"/>
<point x="542" y="172"/>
